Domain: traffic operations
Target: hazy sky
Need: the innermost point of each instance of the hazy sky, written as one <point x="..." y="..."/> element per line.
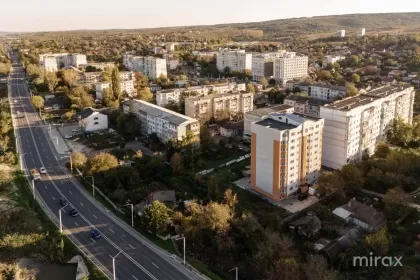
<point x="46" y="15"/>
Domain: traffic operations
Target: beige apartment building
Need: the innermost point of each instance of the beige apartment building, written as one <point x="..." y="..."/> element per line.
<point x="213" y="105"/>
<point x="286" y="152"/>
<point x="305" y="105"/>
<point x="355" y="125"/>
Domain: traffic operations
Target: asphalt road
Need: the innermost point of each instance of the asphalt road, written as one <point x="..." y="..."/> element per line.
<point x="138" y="259"/>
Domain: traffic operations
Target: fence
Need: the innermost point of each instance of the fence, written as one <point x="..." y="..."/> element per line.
<point x="204" y="172"/>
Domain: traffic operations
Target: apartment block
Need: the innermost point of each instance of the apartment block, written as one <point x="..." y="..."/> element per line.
<point x="261" y="114"/>
<point x="341" y="33"/>
<point x="263" y="65"/>
<point x="305" y="105"/>
<point x="213" y="105"/>
<point x="355" y="125"/>
<point x="126" y="84"/>
<point x="331" y="59"/>
<point x="167" y="124"/>
<point x="175" y="95"/>
<point x="361" y="32"/>
<point x="173" y="63"/>
<point x="99" y="65"/>
<point x="290" y="66"/>
<point x="235" y="60"/>
<point x="286" y="152"/>
<point x="150" y="66"/>
<point x="88" y="78"/>
<point x="46" y="61"/>
<point x="321" y="91"/>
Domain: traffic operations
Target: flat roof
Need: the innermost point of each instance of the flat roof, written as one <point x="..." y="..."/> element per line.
<point x="270" y="123"/>
<point x="267" y="110"/>
<point x="212" y="96"/>
<point x="157" y="111"/>
<point x="307" y="99"/>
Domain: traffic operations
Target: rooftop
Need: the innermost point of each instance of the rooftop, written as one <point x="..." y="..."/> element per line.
<point x="307" y="99"/>
<point x="212" y="96"/>
<point x="268" y="110"/>
<point x="333" y="87"/>
<point x="157" y="111"/>
<point x="270" y="123"/>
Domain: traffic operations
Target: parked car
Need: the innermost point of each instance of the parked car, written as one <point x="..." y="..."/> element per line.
<point x="95" y="234"/>
<point x="75" y="130"/>
<point x="74" y="213"/>
<point x="68" y="136"/>
<point x="42" y="170"/>
<point x="64" y="202"/>
<point x="303" y="196"/>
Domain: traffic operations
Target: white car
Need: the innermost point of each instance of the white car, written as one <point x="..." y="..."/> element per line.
<point x="75" y="130"/>
<point x="68" y="136"/>
<point x="42" y="170"/>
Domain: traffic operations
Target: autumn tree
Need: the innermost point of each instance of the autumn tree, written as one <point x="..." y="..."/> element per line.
<point x="176" y="164"/>
<point x="69" y="77"/>
<point x="351" y="90"/>
<point x="106" y="75"/>
<point x="356" y="78"/>
<point x="263" y="82"/>
<point x="378" y="242"/>
<point x="156" y="216"/>
<point x="116" y="83"/>
<point x="141" y="80"/>
<point x="37" y="102"/>
<point x="396" y="202"/>
<point x="100" y="163"/>
<point x="250" y="87"/>
<point x="78" y="160"/>
<point x="317" y="268"/>
<point x="324" y="75"/>
<point x="145" y="94"/>
<point x="51" y="80"/>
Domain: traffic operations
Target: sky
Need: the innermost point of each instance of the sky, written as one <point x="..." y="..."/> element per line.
<point x="53" y="15"/>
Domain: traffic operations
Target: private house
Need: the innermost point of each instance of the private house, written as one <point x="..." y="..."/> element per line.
<point x="361" y="215"/>
<point x="167" y="197"/>
<point x="231" y="129"/>
<point x="308" y="226"/>
<point x="92" y="120"/>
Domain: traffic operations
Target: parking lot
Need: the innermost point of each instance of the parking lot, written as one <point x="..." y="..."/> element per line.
<point x="66" y="132"/>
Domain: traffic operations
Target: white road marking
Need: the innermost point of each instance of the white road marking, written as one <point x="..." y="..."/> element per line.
<point x="111" y="230"/>
<point x="135" y="277"/>
<point x="111" y="256"/>
<point x="81" y="204"/>
<point x="146" y="257"/>
<point x="76" y="224"/>
<point x="95" y="216"/>
<point x="155" y="265"/>
<point x="62" y="182"/>
<point x="71" y="193"/>
<point x="131" y="246"/>
<point x="45" y="187"/>
<point x="53" y="197"/>
<point x="92" y="240"/>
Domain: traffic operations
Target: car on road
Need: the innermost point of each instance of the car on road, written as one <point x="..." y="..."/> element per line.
<point x="36" y="176"/>
<point x="74" y="213"/>
<point x="68" y="136"/>
<point x="64" y="202"/>
<point x="95" y="234"/>
<point x="42" y="170"/>
<point x="75" y="130"/>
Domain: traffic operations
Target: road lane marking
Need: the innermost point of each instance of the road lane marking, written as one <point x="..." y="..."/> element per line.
<point x="146" y="257"/>
<point x="81" y="204"/>
<point x="92" y="240"/>
<point x="76" y="224"/>
<point x="111" y="230"/>
<point x="131" y="246"/>
<point x="71" y="193"/>
<point x="45" y="187"/>
<point x="53" y="197"/>
<point x="155" y="265"/>
<point x="62" y="182"/>
<point x="135" y="277"/>
<point x="95" y="216"/>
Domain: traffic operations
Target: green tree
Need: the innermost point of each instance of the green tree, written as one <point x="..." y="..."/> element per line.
<point x="263" y="82"/>
<point x="183" y="77"/>
<point x="156" y="217"/>
<point x="340" y="80"/>
<point x="382" y="150"/>
<point x="106" y="75"/>
<point x="128" y="125"/>
<point x="396" y="202"/>
<point x="356" y="78"/>
<point x="141" y="80"/>
<point x="352" y="177"/>
<point x="250" y="88"/>
<point x="116" y="83"/>
<point x="37" y="101"/>
<point x="145" y="94"/>
<point x="69" y="115"/>
<point x="324" y="75"/>
<point x="78" y="160"/>
<point x="351" y="90"/>
<point x="401" y="133"/>
<point x="330" y="183"/>
<point x="378" y="242"/>
<point x="101" y="162"/>
<point x="51" y="80"/>
<point x="176" y="164"/>
<point x="354" y="60"/>
<point x="336" y="66"/>
<point x="317" y="268"/>
<point x="108" y="97"/>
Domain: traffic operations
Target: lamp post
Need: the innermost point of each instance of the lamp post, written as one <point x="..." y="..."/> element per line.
<point x="236" y="272"/>
<point x="21" y="160"/>
<point x="33" y="187"/>
<point x="59" y="215"/>
<point x="93" y="182"/>
<point x="113" y="264"/>
<point x="132" y="213"/>
<point x="183" y="238"/>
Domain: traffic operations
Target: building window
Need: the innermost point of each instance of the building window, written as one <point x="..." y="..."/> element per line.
<point x="96" y="123"/>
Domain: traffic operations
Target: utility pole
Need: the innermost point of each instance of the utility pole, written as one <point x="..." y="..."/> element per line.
<point x="59" y="214"/>
<point x="113" y="263"/>
<point x="93" y="183"/>
<point x="132" y="213"/>
<point x="236" y="272"/>
<point x="183" y="238"/>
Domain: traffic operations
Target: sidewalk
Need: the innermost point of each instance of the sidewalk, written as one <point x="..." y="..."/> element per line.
<point x="55" y="138"/>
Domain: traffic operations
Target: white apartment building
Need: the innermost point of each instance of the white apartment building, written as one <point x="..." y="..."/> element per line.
<point x="204" y="53"/>
<point x="49" y="63"/>
<point x="170" y="47"/>
<point x="99" y="65"/>
<point x="307" y="106"/>
<point x="290" y="66"/>
<point x="165" y="123"/>
<point x="46" y="61"/>
<point x="286" y="151"/>
<point x="126" y="84"/>
<point x="150" y="66"/>
<point x="92" y="120"/>
<point x="261" y="114"/>
<point x="173" y="63"/>
<point x="235" y="60"/>
<point x="176" y="95"/>
<point x="321" y="91"/>
<point x="88" y="78"/>
<point x="126" y="75"/>
<point x="355" y="125"/>
<point x="331" y="59"/>
<point x="361" y="32"/>
<point x="226" y="88"/>
<point x="78" y="59"/>
<point x="341" y="33"/>
<point x="212" y="106"/>
<point x="263" y="65"/>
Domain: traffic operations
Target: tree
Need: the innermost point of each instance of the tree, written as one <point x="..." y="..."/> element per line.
<point x="382" y="150"/>
<point x="263" y="82"/>
<point x="156" y="216"/>
<point x="37" y="101"/>
<point x="100" y="163"/>
<point x="354" y="60"/>
<point x="116" y="83"/>
<point x="69" y="115"/>
<point x="356" y="78"/>
<point x="128" y="125"/>
<point x="352" y="177"/>
<point x="183" y="77"/>
<point x="106" y="75"/>
<point x="250" y="88"/>
<point x="340" y="80"/>
<point x="330" y="183"/>
<point x="78" y="160"/>
<point x="248" y="73"/>
<point x="141" y="80"/>
<point x="351" y="90"/>
<point x="50" y="80"/>
<point x="378" y="242"/>
<point x="396" y="202"/>
<point x="401" y="133"/>
<point x="324" y="75"/>
<point x="176" y="164"/>
<point x="69" y="77"/>
<point x="317" y="268"/>
<point x="336" y="66"/>
<point x="145" y="94"/>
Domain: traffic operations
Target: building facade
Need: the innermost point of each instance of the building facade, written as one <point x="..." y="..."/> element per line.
<point x="305" y="105"/>
<point x="341" y="33"/>
<point x="361" y="32"/>
<point x="331" y="59"/>
<point x="263" y="65"/>
<point x="321" y="91"/>
<point x="355" y="125"/>
<point x="92" y="120"/>
<point x="286" y="152"/>
<point x="167" y="124"/>
<point x="289" y="67"/>
<point x="215" y="105"/>
<point x="46" y="61"/>
<point x="99" y="65"/>
<point x="235" y="60"/>
<point x="152" y="67"/>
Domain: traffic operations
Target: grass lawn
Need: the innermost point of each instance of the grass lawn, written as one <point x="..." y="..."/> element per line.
<point x="231" y="154"/>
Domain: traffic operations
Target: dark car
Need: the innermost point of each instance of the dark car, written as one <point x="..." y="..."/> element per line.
<point x="64" y="202"/>
<point x="95" y="234"/>
<point x="303" y="196"/>
<point x="74" y="213"/>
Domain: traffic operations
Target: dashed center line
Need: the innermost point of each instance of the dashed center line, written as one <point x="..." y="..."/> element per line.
<point x="111" y="230"/>
<point x="135" y="277"/>
<point x="131" y="246"/>
<point x="76" y="224"/>
<point x="155" y="265"/>
<point x="81" y="204"/>
<point x="92" y="240"/>
<point x="45" y="187"/>
<point x="53" y="197"/>
<point x="95" y="216"/>
<point x="71" y="193"/>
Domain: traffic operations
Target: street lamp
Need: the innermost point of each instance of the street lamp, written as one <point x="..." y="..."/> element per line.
<point x="132" y="213"/>
<point x="59" y="214"/>
<point x="93" y="182"/>
<point x="33" y="187"/>
<point x="236" y="272"/>
<point x="113" y="263"/>
<point x="21" y="160"/>
<point x="183" y="238"/>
